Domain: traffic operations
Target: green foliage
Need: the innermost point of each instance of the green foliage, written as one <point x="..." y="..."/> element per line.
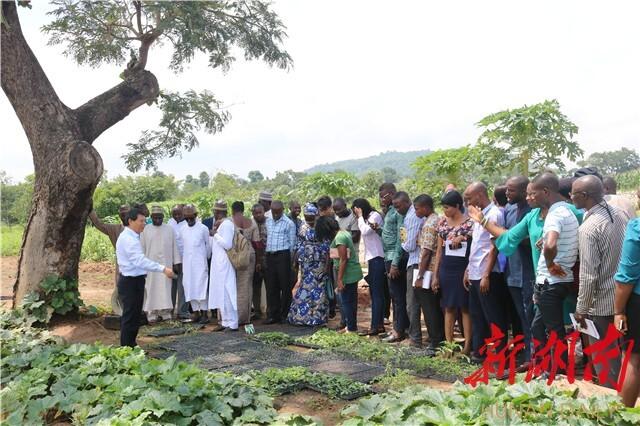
<point x="274" y="338"/>
<point x="182" y="116"/>
<point x="613" y="162"/>
<point x="112" y="193"/>
<point x="400" y="357"/>
<point x="56" y="295"/>
<point x="530" y="138"/>
<point x="95" y="33"/>
<point x="494" y="404"/>
<point x="629" y="181"/>
<point x="255" y="176"/>
<point x="400" y="162"/>
<point x="96" y="247"/>
<point x="439" y="168"/>
<point x="395" y="379"/>
<point x="44" y="381"/>
<point x="15" y="200"/>
<point x="336" y="184"/>
<point x="11" y="240"/>
<point x="276" y="381"/>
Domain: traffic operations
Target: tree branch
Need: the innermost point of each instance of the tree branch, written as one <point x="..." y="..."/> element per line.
<point x="105" y="110"/>
<point x="25" y="83"/>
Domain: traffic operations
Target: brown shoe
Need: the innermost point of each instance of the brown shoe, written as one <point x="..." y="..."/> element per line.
<point x="217" y="327"/>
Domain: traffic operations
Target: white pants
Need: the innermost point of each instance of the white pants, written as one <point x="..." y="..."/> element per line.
<point x="198" y="305"/>
<point x="164" y="313"/>
<point x="228" y="313"/>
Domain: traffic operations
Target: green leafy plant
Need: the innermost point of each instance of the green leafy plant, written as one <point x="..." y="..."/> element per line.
<point x="448" y="349"/>
<point x="395" y="379"/>
<point x="494" y="404"/>
<point x="274" y="338"/>
<point x="277" y="381"/>
<point x="57" y="296"/>
<point x="45" y="381"/>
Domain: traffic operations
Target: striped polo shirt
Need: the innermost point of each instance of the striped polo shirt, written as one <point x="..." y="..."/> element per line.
<point x="561" y="220"/>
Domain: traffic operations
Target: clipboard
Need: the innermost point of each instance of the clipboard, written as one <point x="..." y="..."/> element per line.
<point x="426" y="280"/>
<point x="460" y="252"/>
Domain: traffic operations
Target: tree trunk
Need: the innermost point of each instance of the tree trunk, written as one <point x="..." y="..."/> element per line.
<point x="67" y="167"/>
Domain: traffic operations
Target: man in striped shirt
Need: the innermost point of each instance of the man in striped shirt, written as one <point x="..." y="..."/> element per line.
<point x="559" y="253"/>
<point x="600" y="242"/>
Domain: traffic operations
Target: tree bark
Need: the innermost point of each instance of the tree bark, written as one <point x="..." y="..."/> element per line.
<point x="67" y="167"/>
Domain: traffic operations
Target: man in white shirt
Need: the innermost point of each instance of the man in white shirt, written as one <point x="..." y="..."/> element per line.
<point x="195" y="265"/>
<point x="177" y="222"/>
<point x="488" y="294"/>
<point x="554" y="276"/>
<point x="133" y="269"/>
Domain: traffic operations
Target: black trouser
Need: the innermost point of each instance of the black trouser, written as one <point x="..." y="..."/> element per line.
<point x="398" y="290"/>
<point x="487" y="309"/>
<point x="278" y="281"/>
<point x="429" y="303"/>
<point x="550" y="316"/>
<point x="131" y="291"/>
<point x="257" y="291"/>
<point x="387" y="297"/>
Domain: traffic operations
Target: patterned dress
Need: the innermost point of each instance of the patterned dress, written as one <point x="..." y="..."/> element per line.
<point x="451" y="271"/>
<point x="310" y="304"/>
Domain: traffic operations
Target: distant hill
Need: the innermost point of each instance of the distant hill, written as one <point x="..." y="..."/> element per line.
<point x="400" y="161"/>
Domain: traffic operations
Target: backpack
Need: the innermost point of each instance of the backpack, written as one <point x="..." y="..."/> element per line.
<point x="240" y="252"/>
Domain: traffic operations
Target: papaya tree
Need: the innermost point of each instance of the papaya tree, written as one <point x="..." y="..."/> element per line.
<point x="529" y="139"/>
<point x="121" y="32"/>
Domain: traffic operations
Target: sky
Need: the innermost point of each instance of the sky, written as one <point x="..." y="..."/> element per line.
<point x="373" y="76"/>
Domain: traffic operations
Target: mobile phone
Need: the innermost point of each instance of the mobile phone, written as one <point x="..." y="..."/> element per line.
<point x="620" y="325"/>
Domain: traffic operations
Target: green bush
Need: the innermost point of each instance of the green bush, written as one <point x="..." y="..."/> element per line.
<point x="629" y="181"/>
<point x="96" y="247"/>
<point x="11" y="239"/>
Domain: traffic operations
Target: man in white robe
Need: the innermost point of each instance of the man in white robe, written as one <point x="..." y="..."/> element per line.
<point x="222" y="281"/>
<point x="159" y="244"/>
<point x="197" y="250"/>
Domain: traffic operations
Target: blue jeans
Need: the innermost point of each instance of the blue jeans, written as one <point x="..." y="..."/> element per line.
<point x="376" y="291"/>
<point x="349" y="308"/>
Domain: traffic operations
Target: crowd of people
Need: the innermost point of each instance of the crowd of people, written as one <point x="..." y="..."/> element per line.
<point x="524" y="258"/>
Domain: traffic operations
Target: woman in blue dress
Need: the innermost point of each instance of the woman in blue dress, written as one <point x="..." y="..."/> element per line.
<point x="310" y="304"/>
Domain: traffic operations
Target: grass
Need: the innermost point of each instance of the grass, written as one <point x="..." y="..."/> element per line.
<point x="96" y="246"/>
<point x="11" y="239"/>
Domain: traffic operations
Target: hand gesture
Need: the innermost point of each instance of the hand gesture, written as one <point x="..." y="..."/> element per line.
<point x="484" y="285"/>
<point x="340" y="286"/>
<point x="475" y="213"/>
<point x="394" y="272"/>
<point x="419" y="283"/>
<point x="168" y="272"/>
<point x="465" y="280"/>
<point x="580" y="319"/>
<point x="556" y="270"/>
<point x="620" y="322"/>
<point x="435" y="283"/>
<point x="358" y="212"/>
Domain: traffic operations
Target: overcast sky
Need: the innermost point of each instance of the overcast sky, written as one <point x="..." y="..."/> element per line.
<point x="371" y="76"/>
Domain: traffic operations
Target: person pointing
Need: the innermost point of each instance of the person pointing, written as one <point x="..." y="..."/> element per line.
<point x="133" y="271"/>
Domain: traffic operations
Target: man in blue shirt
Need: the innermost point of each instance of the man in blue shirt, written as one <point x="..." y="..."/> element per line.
<point x="133" y="270"/>
<point x="627" y="309"/>
<point x="519" y="272"/>
<point x="281" y="241"/>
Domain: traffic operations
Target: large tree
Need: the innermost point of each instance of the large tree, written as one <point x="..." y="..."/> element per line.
<point x="67" y="166"/>
<point x="529" y="138"/>
<point x="613" y="162"/>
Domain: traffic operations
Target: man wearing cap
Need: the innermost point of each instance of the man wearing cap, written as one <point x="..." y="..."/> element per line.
<point x="113" y="231"/>
<point x="197" y="250"/>
<point x="159" y="244"/>
<point x="134" y="266"/>
<point x="265" y="199"/>
<point x="222" y="280"/>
